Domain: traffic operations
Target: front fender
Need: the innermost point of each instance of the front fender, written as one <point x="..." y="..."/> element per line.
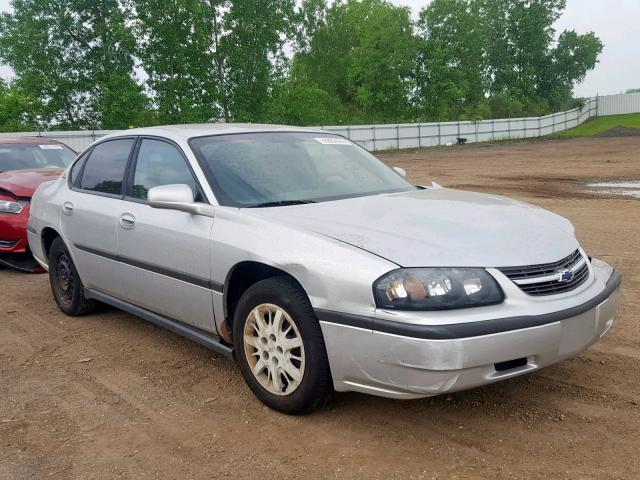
<point x="335" y="275"/>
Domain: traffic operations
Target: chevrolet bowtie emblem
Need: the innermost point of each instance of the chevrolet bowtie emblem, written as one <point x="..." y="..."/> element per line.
<point x="565" y="275"/>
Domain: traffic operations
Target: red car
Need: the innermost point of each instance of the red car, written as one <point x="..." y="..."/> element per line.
<point x="25" y="163"/>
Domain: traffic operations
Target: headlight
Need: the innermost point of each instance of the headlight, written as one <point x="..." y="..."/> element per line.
<point x="11" y="207"/>
<point x="437" y="289"/>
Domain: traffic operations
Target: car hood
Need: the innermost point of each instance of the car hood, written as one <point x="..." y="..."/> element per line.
<point x="22" y="183"/>
<point x="438" y="227"/>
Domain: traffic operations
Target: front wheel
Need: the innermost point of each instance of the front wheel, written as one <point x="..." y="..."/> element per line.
<point x="66" y="285"/>
<point x="280" y="348"/>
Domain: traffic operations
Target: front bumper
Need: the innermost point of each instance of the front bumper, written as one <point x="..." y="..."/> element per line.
<point x="14" y="244"/>
<point x="13" y="232"/>
<point x="400" y="360"/>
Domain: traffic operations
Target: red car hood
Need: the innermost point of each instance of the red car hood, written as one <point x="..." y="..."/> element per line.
<point x="22" y="183"/>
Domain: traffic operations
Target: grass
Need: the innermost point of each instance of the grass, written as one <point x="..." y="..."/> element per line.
<point x="506" y="139"/>
<point x="601" y="124"/>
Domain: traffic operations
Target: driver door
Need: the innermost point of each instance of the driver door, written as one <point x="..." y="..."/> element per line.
<point x="165" y="253"/>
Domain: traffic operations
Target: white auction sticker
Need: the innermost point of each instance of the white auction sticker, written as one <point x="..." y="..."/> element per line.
<point x="333" y="141"/>
<point x="51" y="147"/>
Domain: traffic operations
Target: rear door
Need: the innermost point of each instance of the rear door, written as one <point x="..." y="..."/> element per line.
<point x="90" y="210"/>
<point x="164" y="254"/>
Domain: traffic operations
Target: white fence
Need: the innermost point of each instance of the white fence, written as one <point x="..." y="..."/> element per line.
<point x="78" y="140"/>
<point x="618" y="104"/>
<point x="412" y="135"/>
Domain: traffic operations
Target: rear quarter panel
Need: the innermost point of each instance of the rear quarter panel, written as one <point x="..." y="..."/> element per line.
<point x="45" y="212"/>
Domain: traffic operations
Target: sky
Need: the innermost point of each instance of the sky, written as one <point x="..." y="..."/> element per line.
<point x="616" y="22"/>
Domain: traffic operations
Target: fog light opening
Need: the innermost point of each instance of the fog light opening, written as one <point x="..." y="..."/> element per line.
<point x="510" y="364"/>
<point x="8" y="243"/>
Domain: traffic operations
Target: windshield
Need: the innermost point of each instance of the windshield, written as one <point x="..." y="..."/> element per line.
<point x="27" y="156"/>
<point x="280" y="168"/>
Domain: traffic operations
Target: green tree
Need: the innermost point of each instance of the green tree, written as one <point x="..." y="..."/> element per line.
<point x="303" y="104"/>
<point x="504" y="50"/>
<point x="76" y="58"/>
<point x="109" y="45"/>
<point x="451" y="65"/>
<point x="18" y="112"/>
<point x="219" y="70"/>
<point x="504" y="106"/>
<point x="518" y="36"/>
<point x="537" y="107"/>
<point x="253" y="51"/>
<point x="354" y="61"/>
<point x="297" y="100"/>
<point x="34" y="41"/>
<point x="522" y="59"/>
<point x="208" y="59"/>
<point x="364" y="52"/>
<point x="568" y="63"/>
<point x="310" y="16"/>
<point x="175" y="52"/>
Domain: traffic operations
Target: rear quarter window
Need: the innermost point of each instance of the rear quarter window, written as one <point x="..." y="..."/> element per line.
<point x="74" y="173"/>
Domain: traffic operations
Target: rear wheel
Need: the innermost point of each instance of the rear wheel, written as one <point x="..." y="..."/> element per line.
<point x="280" y="348"/>
<point x="66" y="285"/>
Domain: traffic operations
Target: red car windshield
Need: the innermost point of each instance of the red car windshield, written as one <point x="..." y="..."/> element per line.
<point x="28" y="156"/>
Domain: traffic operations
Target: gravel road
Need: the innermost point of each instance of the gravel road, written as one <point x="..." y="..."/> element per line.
<point x="110" y="396"/>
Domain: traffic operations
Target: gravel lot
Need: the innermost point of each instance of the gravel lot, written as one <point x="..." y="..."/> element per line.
<point x="110" y="396"/>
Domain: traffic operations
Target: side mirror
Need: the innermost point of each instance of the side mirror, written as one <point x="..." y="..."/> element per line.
<point x="400" y="171"/>
<point x="177" y="197"/>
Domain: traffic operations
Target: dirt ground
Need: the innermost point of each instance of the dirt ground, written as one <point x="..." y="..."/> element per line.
<point x="110" y="396"/>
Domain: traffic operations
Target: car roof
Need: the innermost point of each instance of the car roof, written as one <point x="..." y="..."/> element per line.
<point x="28" y="141"/>
<point x="185" y="132"/>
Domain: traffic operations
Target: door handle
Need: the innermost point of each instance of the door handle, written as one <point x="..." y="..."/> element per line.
<point x="127" y="221"/>
<point x="67" y="208"/>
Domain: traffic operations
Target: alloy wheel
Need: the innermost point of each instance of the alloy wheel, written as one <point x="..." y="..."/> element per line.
<point x="274" y="349"/>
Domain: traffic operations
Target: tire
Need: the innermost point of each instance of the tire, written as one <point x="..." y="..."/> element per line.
<point x="67" y="288"/>
<point x="292" y="370"/>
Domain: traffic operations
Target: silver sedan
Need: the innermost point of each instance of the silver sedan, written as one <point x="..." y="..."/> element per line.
<point x="315" y="265"/>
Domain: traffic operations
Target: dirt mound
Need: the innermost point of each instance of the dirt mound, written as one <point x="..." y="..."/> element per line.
<point x="620" y="132"/>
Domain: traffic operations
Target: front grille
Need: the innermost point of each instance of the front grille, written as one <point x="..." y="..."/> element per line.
<point x="8" y="243"/>
<point x="547" y="279"/>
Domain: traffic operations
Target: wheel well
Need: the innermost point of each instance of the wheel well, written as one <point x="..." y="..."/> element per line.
<point x="243" y="276"/>
<point x="48" y="236"/>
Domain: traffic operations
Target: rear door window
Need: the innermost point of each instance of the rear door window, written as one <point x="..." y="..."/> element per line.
<point x="104" y="170"/>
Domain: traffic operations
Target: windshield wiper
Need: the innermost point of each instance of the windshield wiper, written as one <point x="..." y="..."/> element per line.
<point x="282" y="203"/>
